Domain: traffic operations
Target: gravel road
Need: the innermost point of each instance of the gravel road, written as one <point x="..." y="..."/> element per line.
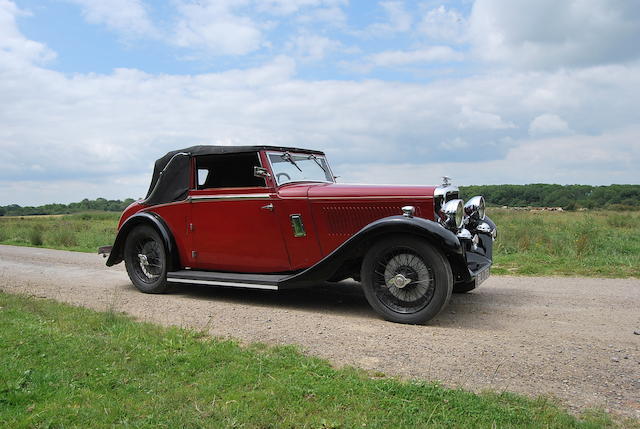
<point x="571" y="338"/>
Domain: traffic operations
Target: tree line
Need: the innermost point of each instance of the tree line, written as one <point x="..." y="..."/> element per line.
<point x="569" y="197"/>
<point x="99" y="204"/>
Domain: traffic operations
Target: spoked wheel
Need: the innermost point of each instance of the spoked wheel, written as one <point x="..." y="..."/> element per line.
<point x="406" y="280"/>
<point x="146" y="259"/>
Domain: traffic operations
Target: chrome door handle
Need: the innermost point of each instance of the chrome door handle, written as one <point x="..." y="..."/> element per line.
<point x="268" y="207"/>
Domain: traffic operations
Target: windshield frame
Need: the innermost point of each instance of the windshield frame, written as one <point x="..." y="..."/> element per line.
<point x="301" y="154"/>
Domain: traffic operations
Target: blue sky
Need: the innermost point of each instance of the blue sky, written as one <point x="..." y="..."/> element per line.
<point x="331" y="39"/>
<point x="485" y="91"/>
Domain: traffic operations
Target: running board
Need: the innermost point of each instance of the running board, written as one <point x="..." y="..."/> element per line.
<point x="252" y="281"/>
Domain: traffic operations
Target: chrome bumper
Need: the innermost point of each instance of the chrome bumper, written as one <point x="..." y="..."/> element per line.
<point x="481" y="275"/>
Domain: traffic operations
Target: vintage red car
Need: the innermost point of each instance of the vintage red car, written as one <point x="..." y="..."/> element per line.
<point x="274" y="218"/>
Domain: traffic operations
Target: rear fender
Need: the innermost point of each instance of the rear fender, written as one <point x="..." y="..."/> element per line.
<point x="149" y="218"/>
<point x="345" y="261"/>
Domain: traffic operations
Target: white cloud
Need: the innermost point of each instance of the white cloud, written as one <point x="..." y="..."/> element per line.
<point x="472" y="118"/>
<point x="552" y="34"/>
<point x="287" y="7"/>
<point x="397" y="20"/>
<point x="311" y="47"/>
<point x="548" y="124"/>
<point x="576" y="159"/>
<point x="128" y="17"/>
<point x="101" y="128"/>
<point x="331" y="16"/>
<point x="29" y="193"/>
<point x="425" y="55"/>
<point x="14" y="47"/>
<point x="218" y="27"/>
<point x="455" y="144"/>
<point x="442" y="24"/>
<point x="215" y="27"/>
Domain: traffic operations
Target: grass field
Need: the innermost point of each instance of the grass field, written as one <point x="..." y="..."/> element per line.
<point x="594" y="243"/>
<point x="65" y="366"/>
<point x="83" y="232"/>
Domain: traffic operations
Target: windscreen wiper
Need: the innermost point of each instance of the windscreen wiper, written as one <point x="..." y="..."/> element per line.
<point x="315" y="158"/>
<point x="287" y="157"/>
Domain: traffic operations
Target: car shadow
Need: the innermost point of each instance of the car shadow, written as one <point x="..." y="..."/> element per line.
<point x="331" y="298"/>
<point x="347" y="299"/>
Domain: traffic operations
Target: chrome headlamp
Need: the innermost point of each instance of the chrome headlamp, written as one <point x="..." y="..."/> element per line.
<point x="475" y="209"/>
<point x="452" y="214"/>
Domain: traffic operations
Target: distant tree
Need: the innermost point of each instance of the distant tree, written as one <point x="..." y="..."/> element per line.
<point x="99" y="204"/>
<point x="567" y="196"/>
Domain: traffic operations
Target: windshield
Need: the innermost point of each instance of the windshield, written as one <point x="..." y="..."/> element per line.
<point x="294" y="167"/>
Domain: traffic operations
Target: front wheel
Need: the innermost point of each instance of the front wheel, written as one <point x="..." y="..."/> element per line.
<point x="406" y="280"/>
<point x="146" y="259"/>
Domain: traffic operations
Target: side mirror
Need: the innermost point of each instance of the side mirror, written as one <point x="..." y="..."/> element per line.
<point x="261" y="172"/>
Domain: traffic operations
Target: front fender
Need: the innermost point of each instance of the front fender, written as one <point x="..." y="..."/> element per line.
<point x="117" y="252"/>
<point x="356" y="247"/>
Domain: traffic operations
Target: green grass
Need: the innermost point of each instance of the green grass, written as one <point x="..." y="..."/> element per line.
<point x="83" y="232"/>
<point x="594" y="243"/>
<point x="65" y="366"/>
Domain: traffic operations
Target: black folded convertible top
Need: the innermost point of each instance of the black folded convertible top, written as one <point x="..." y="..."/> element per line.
<point x="173" y="168"/>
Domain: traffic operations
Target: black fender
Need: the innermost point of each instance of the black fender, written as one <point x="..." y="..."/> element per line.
<point x="487" y="240"/>
<point x="345" y="261"/>
<point x="117" y="252"/>
<point x="491" y="223"/>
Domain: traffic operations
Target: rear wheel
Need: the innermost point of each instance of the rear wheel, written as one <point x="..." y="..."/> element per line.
<point x="146" y="259"/>
<point x="406" y="280"/>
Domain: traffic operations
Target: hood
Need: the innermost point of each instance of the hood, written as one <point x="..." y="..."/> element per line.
<point x="355" y="191"/>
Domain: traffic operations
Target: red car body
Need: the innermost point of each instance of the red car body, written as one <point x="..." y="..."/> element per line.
<point x="237" y="234"/>
<point x="274" y="218"/>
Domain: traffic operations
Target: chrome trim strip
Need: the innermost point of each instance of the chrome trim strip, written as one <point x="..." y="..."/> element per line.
<point x="196" y="198"/>
<point x="221" y="283"/>
<point x="150" y="208"/>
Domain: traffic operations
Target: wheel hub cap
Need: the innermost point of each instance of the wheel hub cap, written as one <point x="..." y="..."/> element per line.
<point x="144" y="265"/>
<point x="404" y="281"/>
<point x="398" y="281"/>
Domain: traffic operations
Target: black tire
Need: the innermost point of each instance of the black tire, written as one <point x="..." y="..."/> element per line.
<point x="149" y="277"/>
<point x="426" y="275"/>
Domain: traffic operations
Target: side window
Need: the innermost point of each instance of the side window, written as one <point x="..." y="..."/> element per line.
<point x="231" y="170"/>
<point x="203" y="173"/>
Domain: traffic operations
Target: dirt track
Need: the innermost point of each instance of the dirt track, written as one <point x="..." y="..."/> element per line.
<point x="571" y="338"/>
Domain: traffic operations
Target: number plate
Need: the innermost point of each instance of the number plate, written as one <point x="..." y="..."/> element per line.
<point x="482" y="276"/>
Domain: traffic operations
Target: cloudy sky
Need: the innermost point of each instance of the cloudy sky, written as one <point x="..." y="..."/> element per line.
<point x="485" y="91"/>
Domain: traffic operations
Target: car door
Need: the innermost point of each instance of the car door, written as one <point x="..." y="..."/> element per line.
<point x="233" y="217"/>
